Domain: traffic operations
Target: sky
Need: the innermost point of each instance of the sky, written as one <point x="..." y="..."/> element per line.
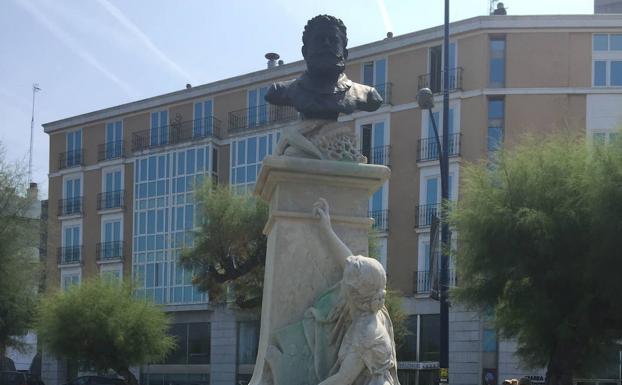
<point x="87" y="55"/>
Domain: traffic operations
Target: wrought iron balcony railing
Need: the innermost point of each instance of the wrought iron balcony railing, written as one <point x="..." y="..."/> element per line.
<point x="111" y="200"/>
<point x="108" y="251"/>
<point x="70" y="206"/>
<point x="384" y="89"/>
<point x="73" y="158"/>
<point x="422" y="282"/>
<point x="427" y="148"/>
<point x="379" y="155"/>
<point x="425" y="213"/>
<point x="381" y="220"/>
<point x="259" y="116"/>
<point x="177" y="132"/>
<point x="111" y="150"/>
<point x="434" y="80"/>
<point x="69" y="255"/>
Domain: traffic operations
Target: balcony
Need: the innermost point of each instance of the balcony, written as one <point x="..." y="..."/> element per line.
<point x="381" y="220"/>
<point x="260" y="116"/>
<point x="384" y="89"/>
<point x="177" y="132"/>
<point x="422" y="282"/>
<point x="111" y="200"/>
<point x="110" y="151"/>
<point x="425" y="213"/>
<point x="378" y="155"/>
<point x="110" y="251"/>
<point x="70" y="255"/>
<point x="70" y="206"/>
<point x="427" y="148"/>
<point x="73" y="158"/>
<point x="434" y="80"/>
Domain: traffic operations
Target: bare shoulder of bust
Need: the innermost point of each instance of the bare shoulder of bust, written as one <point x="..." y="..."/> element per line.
<point x="278" y="93"/>
<point x="367" y="98"/>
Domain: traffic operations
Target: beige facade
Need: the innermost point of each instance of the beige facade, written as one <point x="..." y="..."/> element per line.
<point x="547" y="79"/>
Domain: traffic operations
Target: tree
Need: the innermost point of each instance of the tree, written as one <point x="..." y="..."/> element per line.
<point x="539" y="244"/>
<point x="100" y="324"/>
<point x="18" y="267"/>
<point x="230" y="249"/>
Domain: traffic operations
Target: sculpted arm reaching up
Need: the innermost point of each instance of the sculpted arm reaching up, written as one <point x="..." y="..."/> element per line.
<point x="336" y="247"/>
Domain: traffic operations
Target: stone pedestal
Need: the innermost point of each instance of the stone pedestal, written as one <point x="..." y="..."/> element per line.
<point x="298" y="268"/>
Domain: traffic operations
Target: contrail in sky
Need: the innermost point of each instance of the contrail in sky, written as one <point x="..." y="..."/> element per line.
<point x="385" y="16"/>
<point x="67" y="40"/>
<point x="140" y="35"/>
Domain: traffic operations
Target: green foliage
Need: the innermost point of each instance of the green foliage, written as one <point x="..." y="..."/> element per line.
<point x="539" y="243"/>
<point x="100" y="324"/>
<point x="230" y="248"/>
<point x="393" y="303"/>
<point x="19" y="267"/>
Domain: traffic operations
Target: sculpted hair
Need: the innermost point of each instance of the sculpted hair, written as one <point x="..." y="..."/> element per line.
<point x="321" y="20"/>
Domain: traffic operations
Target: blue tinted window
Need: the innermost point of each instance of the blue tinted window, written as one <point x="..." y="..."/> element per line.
<point x="495" y="138"/>
<point x="200" y="159"/>
<point x="143" y="169"/>
<point x="161" y="166"/>
<point x="262" y="148"/>
<point x="368" y="73"/>
<point x="190" y="162"/>
<point x="615" y="42"/>
<point x="600" y="73"/>
<point x="181" y="160"/>
<point x="599" y="43"/>
<point x="616" y="73"/>
<point x="252" y="150"/>
<point x="497" y="62"/>
<point x="381" y="68"/>
<point x="152" y="168"/>
<point x="495" y="109"/>
<point x="241" y="152"/>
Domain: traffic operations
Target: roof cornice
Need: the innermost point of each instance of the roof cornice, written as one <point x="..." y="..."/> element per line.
<point x="592" y="22"/>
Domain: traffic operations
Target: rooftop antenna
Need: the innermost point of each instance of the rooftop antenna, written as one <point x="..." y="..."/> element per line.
<point x="35" y="88"/>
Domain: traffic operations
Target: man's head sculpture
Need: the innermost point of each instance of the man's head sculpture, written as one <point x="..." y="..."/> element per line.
<point x="324" y="91"/>
<point x="324" y="43"/>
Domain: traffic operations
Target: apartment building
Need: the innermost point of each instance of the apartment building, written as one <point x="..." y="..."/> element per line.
<point x="121" y="179"/>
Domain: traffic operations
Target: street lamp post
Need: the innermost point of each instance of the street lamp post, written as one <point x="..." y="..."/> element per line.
<point x="425" y="99"/>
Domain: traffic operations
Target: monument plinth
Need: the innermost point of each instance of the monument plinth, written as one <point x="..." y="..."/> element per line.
<point x="298" y="267"/>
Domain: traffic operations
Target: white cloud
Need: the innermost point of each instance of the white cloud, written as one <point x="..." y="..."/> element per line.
<point x="144" y="39"/>
<point x="388" y="26"/>
<point x="71" y="43"/>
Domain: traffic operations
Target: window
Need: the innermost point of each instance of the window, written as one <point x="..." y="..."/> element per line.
<point x="203" y="119"/>
<point x="408" y="350"/>
<point x="248" y="341"/>
<point x="193" y="344"/>
<point x="375" y="74"/>
<point x="69" y="280"/>
<point x="497" y="62"/>
<point x="435" y="66"/>
<point x="489" y="340"/>
<point x="159" y="128"/>
<point x="165" y="215"/>
<point x="73" y="156"/>
<point x="495" y="124"/>
<point x="607" y="60"/>
<point x="246" y="157"/>
<point x="72" y="244"/>
<point x="430" y="337"/>
<point x="72" y="203"/>
<point x="114" y="139"/>
<point x="257" y="107"/>
<point x="112" y="246"/>
<point x="113" y="189"/>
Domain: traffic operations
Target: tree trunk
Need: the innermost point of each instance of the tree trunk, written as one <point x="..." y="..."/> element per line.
<point x="129" y="377"/>
<point x="562" y="365"/>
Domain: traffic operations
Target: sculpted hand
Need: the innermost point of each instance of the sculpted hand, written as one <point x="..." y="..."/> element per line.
<point x="321" y="210"/>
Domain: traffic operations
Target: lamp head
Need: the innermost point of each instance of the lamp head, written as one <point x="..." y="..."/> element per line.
<point x="425" y="99"/>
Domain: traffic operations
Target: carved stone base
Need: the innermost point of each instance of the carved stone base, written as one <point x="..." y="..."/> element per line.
<point x="298" y="269"/>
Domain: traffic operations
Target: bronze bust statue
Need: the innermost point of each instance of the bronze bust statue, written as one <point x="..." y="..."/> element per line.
<point x="324" y="91"/>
